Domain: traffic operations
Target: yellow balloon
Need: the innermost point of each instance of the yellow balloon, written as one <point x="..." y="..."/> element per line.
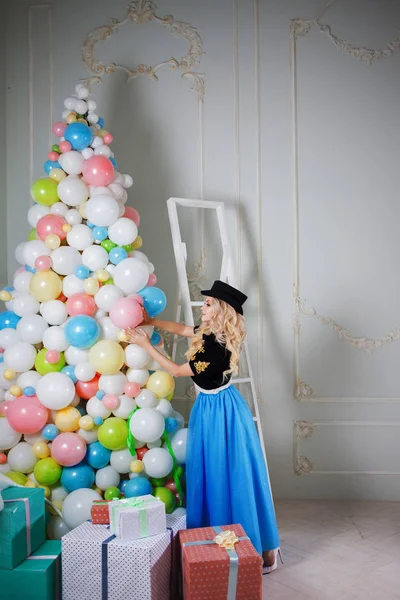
<point x="47" y="490"/>
<point x="136" y="466"/>
<point x="30" y="484"/>
<point x="57" y="175"/>
<point x="52" y="241"/>
<point x="41" y="450"/>
<point x="67" y="419"/>
<point x="82" y="120"/>
<point x="86" y="422"/>
<point x="107" y="357"/>
<point x="66" y="228"/>
<point x="103" y="275"/>
<point x="15" y="390"/>
<point x="138" y="243"/>
<point x="9" y="374"/>
<point x="71" y="118"/>
<point x="161" y="383"/>
<point x="45" y="286"/>
<point x="91" y="286"/>
<point x="58" y="504"/>
<point x="6" y="296"/>
<point x="82" y="209"/>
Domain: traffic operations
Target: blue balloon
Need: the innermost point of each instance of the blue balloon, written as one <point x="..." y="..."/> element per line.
<point x="138" y="486"/>
<point x="97" y="456"/>
<point x="30" y="269"/>
<point x="155" y="338"/>
<point x="82" y="272"/>
<point x="154" y="300"/>
<point x="50" y="432"/>
<point x="28" y="391"/>
<point x="8" y="318"/>
<point x="82" y="331"/>
<point x="78" y="135"/>
<point x="171" y="424"/>
<point x="76" y="477"/>
<point x="114" y="162"/>
<point x="51" y="164"/>
<point x="100" y="233"/>
<point x="100" y="122"/>
<point x="69" y="370"/>
<point x="122" y="485"/>
<point x="117" y="254"/>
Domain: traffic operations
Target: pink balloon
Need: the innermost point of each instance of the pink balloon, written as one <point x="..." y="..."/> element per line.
<point x="65" y="146"/>
<point x="152" y="280"/>
<point x="68" y="449"/>
<point x="110" y="401"/>
<point x="108" y="138"/>
<point x="98" y="170"/>
<point x="59" y="128"/>
<point x="4" y="406"/>
<point x="43" y="263"/>
<point x="132" y="214"/>
<point x="81" y="304"/>
<point x="131" y="389"/>
<point x="52" y="356"/>
<point x="137" y="298"/>
<point x="52" y="156"/>
<point x="27" y="415"/>
<point x="51" y="224"/>
<point x="87" y="389"/>
<point x="126" y="312"/>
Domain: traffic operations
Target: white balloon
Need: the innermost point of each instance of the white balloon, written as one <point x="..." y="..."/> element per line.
<point x="9" y="336"/>
<point x="103" y="150"/>
<point x="59" y="209"/>
<point x="118" y="178"/>
<point x="84" y="371"/>
<point x="72" y="162"/>
<point x="110" y="268"/>
<point x="72" y="285"/>
<point x="28" y="379"/>
<point x="125" y="407"/>
<point x="97" y="141"/>
<point x="80" y="237"/>
<point x="102" y="210"/>
<point x="19" y="253"/>
<point x="54" y="339"/>
<point x="58" y="493"/>
<point x="8" y="397"/>
<point x="117" y="190"/>
<point x="107" y="296"/>
<point x="87" y="153"/>
<point x="95" y="408"/>
<point x="54" y="312"/>
<point x="95" y="258"/>
<point x="36" y="212"/>
<point x="55" y="390"/>
<point x="73" y="217"/>
<point x="157" y="462"/>
<point x="108" y="331"/>
<point x="33" y="438"/>
<point x="70" y="103"/>
<point x="25" y="304"/>
<point x="121" y="210"/>
<point x="136" y="357"/>
<point x="139" y="376"/>
<point x="123" y="232"/>
<point x="32" y="250"/>
<point x="178" y="445"/>
<point x="74" y="355"/>
<point x="21" y="282"/>
<point x="81" y="107"/>
<point x="156" y="444"/>
<point x="20" y="357"/>
<point x="141" y="256"/>
<point x="31" y="329"/>
<point x="2" y="395"/>
<point x="77" y="506"/>
<point x="65" y="260"/>
<point x="113" y="384"/>
<point x="131" y="275"/>
<point x="4" y="468"/>
<point x="56" y="528"/>
<point x="81" y="91"/>
<point x="96" y="190"/>
<point x="72" y="190"/>
<point x="92" y="105"/>
<point x="120" y="461"/>
<point x="147" y="424"/>
<point x="99" y="314"/>
<point x="176" y="415"/>
<point x="146" y="399"/>
<point x="8" y="437"/>
<point x="128" y="181"/>
<point x="21" y="458"/>
<point x="107" y="477"/>
<point x="89" y="436"/>
<point x="92" y="118"/>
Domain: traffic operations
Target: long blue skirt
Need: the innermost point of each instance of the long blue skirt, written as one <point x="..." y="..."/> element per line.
<point x="226" y="477"/>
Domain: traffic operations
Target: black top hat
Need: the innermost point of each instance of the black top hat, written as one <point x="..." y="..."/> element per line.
<point x="227" y="293"/>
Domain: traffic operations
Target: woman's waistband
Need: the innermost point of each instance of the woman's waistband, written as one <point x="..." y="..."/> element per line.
<point x="215" y="391"/>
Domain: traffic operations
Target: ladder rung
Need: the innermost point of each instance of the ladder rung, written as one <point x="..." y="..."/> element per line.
<point x="193" y="303"/>
<point x="242" y="380"/>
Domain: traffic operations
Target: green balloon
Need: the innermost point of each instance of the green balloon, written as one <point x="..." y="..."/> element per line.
<point x="110" y="281"/>
<point x="128" y="248"/>
<point x="158" y="481"/>
<point x="56" y="148"/>
<point x="112" y="493"/>
<point x="17" y="477"/>
<point x="166" y="496"/>
<point x="108" y="245"/>
<point x="47" y="471"/>
<point x="44" y="191"/>
<point x="32" y="235"/>
<point x="113" y="433"/>
<point x="170" y="397"/>
<point x="43" y="367"/>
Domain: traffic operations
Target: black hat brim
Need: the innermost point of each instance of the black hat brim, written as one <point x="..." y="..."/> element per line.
<point x="220" y="295"/>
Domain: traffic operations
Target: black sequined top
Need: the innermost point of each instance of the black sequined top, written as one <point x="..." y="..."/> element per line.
<point x="209" y="363"/>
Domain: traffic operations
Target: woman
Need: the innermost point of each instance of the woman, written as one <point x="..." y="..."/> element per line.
<point x="226" y="476"/>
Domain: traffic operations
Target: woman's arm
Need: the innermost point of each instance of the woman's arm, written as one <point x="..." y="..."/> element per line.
<point x="140" y="338"/>
<point x="171" y="326"/>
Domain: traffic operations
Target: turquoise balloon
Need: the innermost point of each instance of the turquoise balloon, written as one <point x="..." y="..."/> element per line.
<point x="82" y="331"/>
<point x="154" y="300"/>
<point x="78" y="135"/>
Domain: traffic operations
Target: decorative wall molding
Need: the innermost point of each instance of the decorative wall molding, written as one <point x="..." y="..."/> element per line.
<point x="305" y="429"/>
<point x="140" y="12"/>
<point x="303" y="392"/>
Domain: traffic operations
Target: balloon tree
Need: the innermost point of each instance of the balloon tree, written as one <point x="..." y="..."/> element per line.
<point x="84" y="414"/>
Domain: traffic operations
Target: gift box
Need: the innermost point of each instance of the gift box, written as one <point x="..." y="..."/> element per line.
<point x="220" y="563"/>
<point x="97" y="565"/>
<point x="135" y="518"/>
<point x="22" y="525"/>
<point x="100" y="513"/>
<point x="36" y="578"/>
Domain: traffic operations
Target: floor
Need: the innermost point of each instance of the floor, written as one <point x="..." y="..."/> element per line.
<point x="340" y="550"/>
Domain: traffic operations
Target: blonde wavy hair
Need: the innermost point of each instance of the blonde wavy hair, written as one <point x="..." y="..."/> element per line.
<point x="229" y="329"/>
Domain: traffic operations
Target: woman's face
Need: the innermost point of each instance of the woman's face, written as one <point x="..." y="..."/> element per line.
<point x="206" y="311"/>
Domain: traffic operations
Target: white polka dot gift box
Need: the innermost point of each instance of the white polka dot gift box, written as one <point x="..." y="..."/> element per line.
<point x="135" y="518"/>
<point x="98" y="566"/>
<point x="220" y="563"/>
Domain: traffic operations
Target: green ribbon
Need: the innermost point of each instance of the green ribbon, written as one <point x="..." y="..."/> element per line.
<point x="131" y="440"/>
<point x="132" y="503"/>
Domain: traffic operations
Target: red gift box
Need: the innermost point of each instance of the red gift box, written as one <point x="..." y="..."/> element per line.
<point x="99" y="512"/>
<point x="214" y="572"/>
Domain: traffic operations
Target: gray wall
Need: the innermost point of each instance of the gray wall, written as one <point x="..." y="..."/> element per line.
<point x="3" y="169"/>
